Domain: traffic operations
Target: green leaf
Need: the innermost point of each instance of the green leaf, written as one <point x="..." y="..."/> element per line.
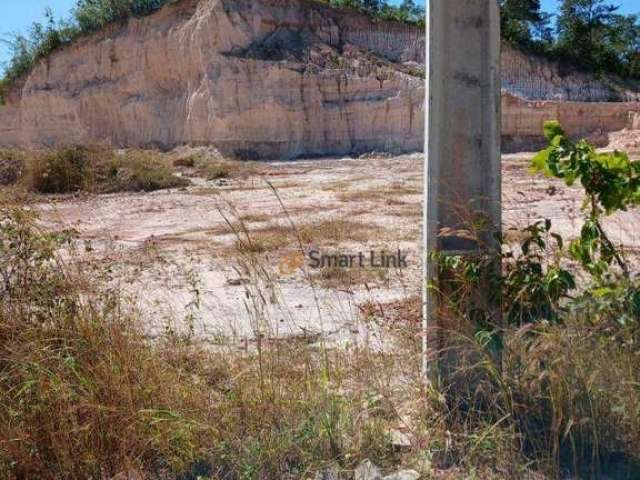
<point x="617" y="161"/>
<point x="552" y="129"/>
<point x="540" y="162"/>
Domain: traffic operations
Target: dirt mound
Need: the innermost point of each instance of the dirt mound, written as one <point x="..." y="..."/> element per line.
<point x="628" y="140"/>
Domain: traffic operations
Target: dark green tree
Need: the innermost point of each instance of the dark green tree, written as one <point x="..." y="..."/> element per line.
<point x="583" y="28"/>
<point x="524" y="24"/>
<point x="623" y="41"/>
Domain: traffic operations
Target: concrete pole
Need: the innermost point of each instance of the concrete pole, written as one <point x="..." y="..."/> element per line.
<point x="462" y="140"/>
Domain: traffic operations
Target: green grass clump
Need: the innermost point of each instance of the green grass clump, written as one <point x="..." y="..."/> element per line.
<point x="59" y="171"/>
<point x="138" y="170"/>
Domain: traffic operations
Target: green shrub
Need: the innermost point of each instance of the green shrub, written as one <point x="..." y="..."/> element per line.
<point x="567" y="374"/>
<point x="137" y="170"/>
<point x="92" y="169"/>
<point x="58" y="171"/>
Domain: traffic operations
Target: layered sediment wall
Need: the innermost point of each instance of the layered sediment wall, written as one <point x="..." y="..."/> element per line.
<point x="535" y="90"/>
<point x="255" y="78"/>
<point x="534" y="78"/>
<point x="276" y="79"/>
<point x="522" y="120"/>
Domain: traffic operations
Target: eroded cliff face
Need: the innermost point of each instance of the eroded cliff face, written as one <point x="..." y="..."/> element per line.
<point x="535" y="78"/>
<point x="523" y="121"/>
<point x="255" y="78"/>
<point x="277" y="79"/>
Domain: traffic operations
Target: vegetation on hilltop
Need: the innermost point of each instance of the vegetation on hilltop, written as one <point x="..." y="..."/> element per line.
<point x="87" y="16"/>
<point x="589" y="34"/>
<point x="92" y="15"/>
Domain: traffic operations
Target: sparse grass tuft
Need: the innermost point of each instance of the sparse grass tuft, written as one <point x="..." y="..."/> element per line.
<point x="336" y="231"/>
<point x="326" y="232"/>
<point x="255" y="217"/>
<point x="346" y="278"/>
<point x="214" y="170"/>
<point x="383" y="194"/>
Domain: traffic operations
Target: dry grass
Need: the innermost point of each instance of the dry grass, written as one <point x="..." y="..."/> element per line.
<point x="215" y="168"/>
<point x="386" y="194"/>
<point x="255" y="217"/>
<point x="273" y="238"/>
<point x="338" y="186"/>
<point x="413" y="211"/>
<point x="348" y="278"/>
<point x="336" y="231"/>
<point x="93" y="169"/>
<point x="11" y="166"/>
<point x="85" y="394"/>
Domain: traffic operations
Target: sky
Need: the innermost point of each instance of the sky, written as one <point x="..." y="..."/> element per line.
<point x="18" y="15"/>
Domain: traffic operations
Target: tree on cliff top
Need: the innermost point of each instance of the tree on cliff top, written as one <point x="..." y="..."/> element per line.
<point x="592" y="34"/>
<point x="408" y="11"/>
<point x="94" y="14"/>
<point x="524" y="24"/>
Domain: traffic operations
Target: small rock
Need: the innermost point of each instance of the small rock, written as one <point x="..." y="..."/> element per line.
<point x="235" y="282"/>
<point x="400" y="439"/>
<point x="403" y="475"/>
<point x="328" y="474"/>
<point x="367" y="471"/>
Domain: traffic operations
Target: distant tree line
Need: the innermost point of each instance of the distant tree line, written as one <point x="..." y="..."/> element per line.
<point x="44" y="38"/>
<point x="589" y="34"/>
<point x="407" y="11"/>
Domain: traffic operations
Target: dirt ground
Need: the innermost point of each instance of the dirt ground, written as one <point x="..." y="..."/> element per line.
<point x="222" y="259"/>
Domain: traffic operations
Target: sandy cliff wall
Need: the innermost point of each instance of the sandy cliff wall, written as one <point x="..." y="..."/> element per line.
<point x="522" y="120"/>
<point x="535" y="78"/>
<point x="256" y="78"/>
<point x="276" y="78"/>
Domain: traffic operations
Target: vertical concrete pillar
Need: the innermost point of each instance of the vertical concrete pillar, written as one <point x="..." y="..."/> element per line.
<point x="462" y="176"/>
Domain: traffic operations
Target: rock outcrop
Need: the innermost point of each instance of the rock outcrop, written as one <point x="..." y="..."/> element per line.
<point x="277" y="79"/>
<point x="254" y="78"/>
<point x="535" y="78"/>
<point x="523" y="120"/>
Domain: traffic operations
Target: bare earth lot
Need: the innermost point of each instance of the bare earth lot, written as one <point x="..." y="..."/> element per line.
<point x="201" y="253"/>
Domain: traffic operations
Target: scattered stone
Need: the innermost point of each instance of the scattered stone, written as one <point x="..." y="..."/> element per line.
<point x="236" y="282"/>
<point x="328" y="474"/>
<point x="400" y="439"/>
<point x="367" y="471"/>
<point x="403" y="475"/>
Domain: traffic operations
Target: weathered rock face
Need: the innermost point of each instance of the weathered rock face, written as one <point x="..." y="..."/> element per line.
<point x="534" y="78"/>
<point x="277" y="78"/>
<point x="255" y="78"/>
<point x="523" y="120"/>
